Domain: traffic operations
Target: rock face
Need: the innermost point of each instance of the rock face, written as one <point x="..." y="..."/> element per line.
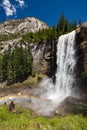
<point x="16" y="27"/>
<point x="44" y="55"/>
<point x="81" y="39"/>
<point x="81" y="44"/>
<point x="29" y="24"/>
<point x="84" y="46"/>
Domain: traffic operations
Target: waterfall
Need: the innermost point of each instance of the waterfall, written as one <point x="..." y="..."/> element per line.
<point x="65" y="75"/>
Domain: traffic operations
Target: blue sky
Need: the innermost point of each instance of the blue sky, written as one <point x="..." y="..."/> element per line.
<point x="48" y="11"/>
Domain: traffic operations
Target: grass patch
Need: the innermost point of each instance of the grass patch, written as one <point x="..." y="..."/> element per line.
<point x="31" y="80"/>
<point x="27" y="120"/>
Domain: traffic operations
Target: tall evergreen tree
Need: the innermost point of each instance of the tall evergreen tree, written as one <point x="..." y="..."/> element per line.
<point x="17" y="63"/>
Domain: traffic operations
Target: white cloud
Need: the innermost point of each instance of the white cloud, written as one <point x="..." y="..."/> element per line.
<point x="11" y="9"/>
<point x="21" y="2"/>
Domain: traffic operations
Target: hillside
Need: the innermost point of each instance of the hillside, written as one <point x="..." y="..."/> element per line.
<point x="29" y="24"/>
<point x="11" y="31"/>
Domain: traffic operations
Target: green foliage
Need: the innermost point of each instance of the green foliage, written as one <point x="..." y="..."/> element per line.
<point x="9" y="36"/>
<point x="82" y="109"/>
<point x="40" y="36"/>
<point x="64" y="26"/>
<point x="16" y="63"/>
<point x="27" y="120"/>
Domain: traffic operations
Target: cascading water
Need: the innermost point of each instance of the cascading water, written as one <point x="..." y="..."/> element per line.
<point x="65" y="67"/>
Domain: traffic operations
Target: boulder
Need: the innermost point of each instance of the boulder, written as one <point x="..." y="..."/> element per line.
<point x="69" y="105"/>
<point x="12" y="107"/>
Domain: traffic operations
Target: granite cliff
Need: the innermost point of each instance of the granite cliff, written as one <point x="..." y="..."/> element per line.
<point x="29" y="24"/>
<point x="81" y="68"/>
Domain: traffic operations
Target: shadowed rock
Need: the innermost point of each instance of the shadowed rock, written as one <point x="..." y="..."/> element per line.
<point x="69" y="105"/>
<point x="12" y="107"/>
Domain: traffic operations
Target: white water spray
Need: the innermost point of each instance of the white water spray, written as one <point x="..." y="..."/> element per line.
<point x="65" y="67"/>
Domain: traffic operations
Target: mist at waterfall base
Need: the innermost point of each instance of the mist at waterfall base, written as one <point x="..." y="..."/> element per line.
<point x="65" y="75"/>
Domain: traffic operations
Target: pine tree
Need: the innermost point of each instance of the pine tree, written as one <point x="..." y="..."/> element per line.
<point x="17" y="63"/>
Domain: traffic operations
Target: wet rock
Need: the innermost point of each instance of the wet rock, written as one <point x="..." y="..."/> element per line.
<point x="81" y="55"/>
<point x="69" y="105"/>
<point x="83" y="46"/>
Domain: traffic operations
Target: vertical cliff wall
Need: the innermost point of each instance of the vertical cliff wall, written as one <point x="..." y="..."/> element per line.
<point x="44" y="57"/>
<point x="81" y="68"/>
